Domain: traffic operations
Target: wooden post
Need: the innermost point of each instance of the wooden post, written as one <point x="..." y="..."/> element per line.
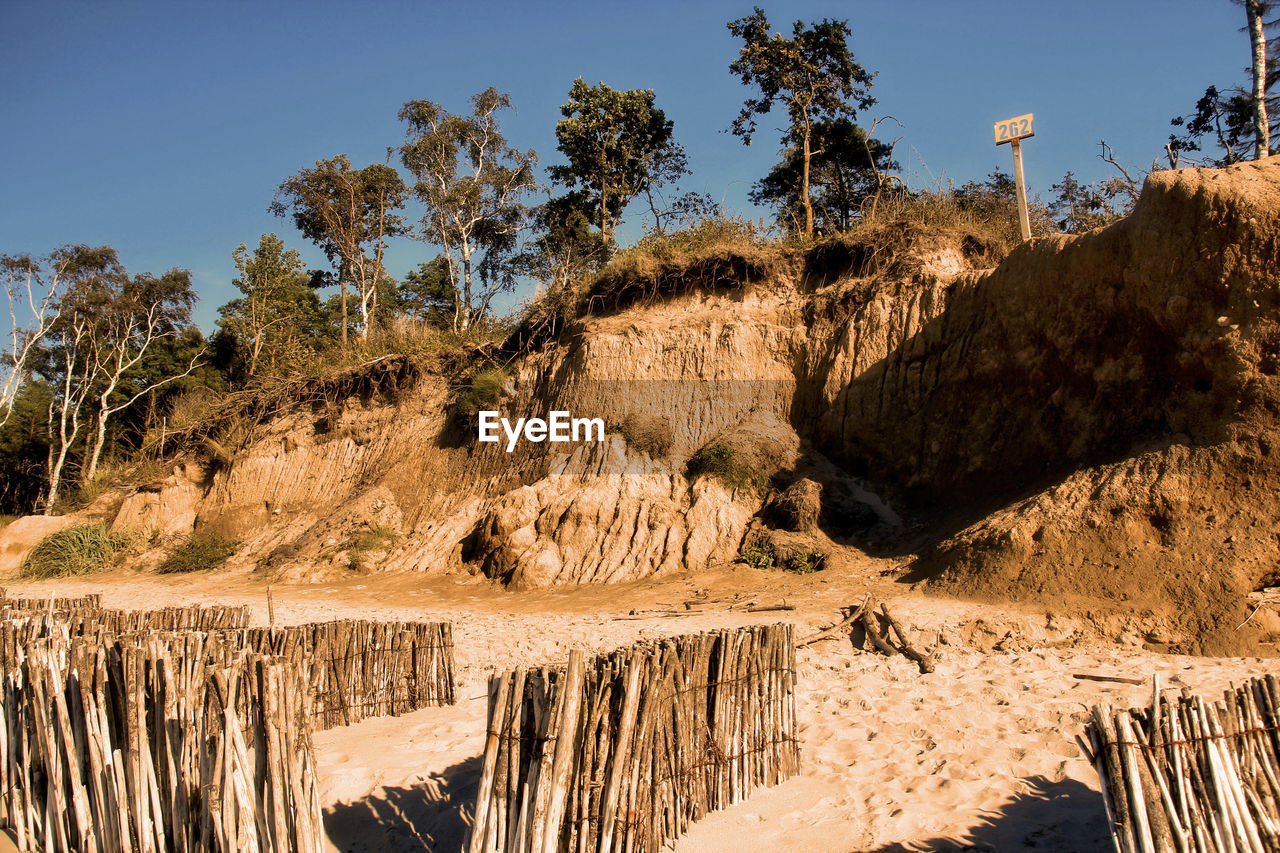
<point x="1012" y="131"/>
<point x="1024" y="217"/>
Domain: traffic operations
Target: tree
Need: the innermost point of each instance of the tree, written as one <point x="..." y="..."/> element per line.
<point x="428" y="294"/>
<point x="1255" y="11"/>
<point x="96" y="353"/>
<point x="563" y="244"/>
<point x="845" y="170"/>
<point x="472" y="184"/>
<point x="32" y="288"/>
<point x="128" y="316"/>
<point x="1232" y="120"/>
<point x="618" y="145"/>
<point x="69" y="361"/>
<point x="24" y="446"/>
<point x="1081" y="207"/>
<point x="812" y="75"/>
<point x="347" y="213"/>
<point x="278" y="316"/>
<point x="995" y="201"/>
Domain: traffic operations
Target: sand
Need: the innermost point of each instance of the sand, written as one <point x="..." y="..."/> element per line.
<point x="978" y="755"/>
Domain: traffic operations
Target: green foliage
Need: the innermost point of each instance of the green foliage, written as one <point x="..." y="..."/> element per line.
<point x="472" y="184"/>
<point x="803" y="562"/>
<point x="374" y="539"/>
<point x="202" y="550"/>
<point x="428" y="295"/>
<point x="725" y="464"/>
<point x="618" y="145"/>
<point x="847" y="167"/>
<point x="349" y="213"/>
<point x="77" y="550"/>
<point x="812" y="75"/>
<point x="709" y="232"/>
<point x="1225" y="122"/>
<point x="24" y="449"/>
<point x="757" y="557"/>
<point x="278" y="320"/>
<point x="482" y="389"/>
<point x="563" y="247"/>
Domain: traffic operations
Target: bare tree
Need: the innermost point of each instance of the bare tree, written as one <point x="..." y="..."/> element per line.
<point x="76" y="367"/>
<point x="144" y="310"/>
<point x="24" y="278"/>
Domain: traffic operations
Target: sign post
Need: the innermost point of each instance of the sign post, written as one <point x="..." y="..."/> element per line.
<point x="1013" y="131"/>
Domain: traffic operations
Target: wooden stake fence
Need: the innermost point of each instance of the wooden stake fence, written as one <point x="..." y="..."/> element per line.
<point x="361" y="669"/>
<point x="623" y="752"/>
<point x="1189" y="775"/>
<point x="93" y="600"/>
<point x="355" y="669"/>
<point x="140" y="746"/>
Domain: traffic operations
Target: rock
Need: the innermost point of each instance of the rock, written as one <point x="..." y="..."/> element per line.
<point x="22" y="534"/>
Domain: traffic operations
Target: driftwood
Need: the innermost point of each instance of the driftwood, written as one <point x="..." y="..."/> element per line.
<point x="623" y="752"/>
<point x="1114" y="679"/>
<point x="926" y="661"/>
<point x="880" y="636"/>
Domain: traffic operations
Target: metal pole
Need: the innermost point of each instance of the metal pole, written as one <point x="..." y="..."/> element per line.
<point x="1024" y="217"/>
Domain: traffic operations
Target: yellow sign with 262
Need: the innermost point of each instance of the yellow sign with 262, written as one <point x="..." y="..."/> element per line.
<point x="1014" y="128"/>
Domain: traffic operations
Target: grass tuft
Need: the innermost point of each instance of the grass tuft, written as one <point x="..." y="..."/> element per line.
<point x="723" y="463"/>
<point x="77" y="550"/>
<point x="206" y="549"/>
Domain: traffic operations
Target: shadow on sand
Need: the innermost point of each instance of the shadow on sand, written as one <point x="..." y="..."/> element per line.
<point x="1057" y="817"/>
<point x="434" y="814"/>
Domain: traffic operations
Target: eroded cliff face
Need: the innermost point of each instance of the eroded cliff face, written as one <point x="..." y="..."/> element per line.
<point x="1117" y="387"/>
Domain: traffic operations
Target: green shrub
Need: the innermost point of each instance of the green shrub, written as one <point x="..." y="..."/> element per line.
<point x="374" y="539"/>
<point x="483" y="390"/>
<point x="756" y="557"/>
<point x="722" y="462"/>
<point x="77" y="550"/>
<point x="803" y="562"/>
<point x="205" y="549"/>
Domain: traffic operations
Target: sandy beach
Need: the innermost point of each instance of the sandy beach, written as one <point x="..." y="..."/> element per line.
<point x="978" y="755"/>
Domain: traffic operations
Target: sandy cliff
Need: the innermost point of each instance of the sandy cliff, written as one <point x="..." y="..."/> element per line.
<point x="1091" y="421"/>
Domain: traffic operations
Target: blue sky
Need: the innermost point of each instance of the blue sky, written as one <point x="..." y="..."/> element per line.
<point x="163" y="128"/>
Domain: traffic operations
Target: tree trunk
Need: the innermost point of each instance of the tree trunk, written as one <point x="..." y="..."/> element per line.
<point x="465" y="307"/>
<point x="806" y="154"/>
<point x="1258" y="41"/>
<point x="343" y="281"/>
<point x="99" y="440"/>
<point x="64" y="446"/>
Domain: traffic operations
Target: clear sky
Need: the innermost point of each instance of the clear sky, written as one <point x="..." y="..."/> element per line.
<point x="163" y="128"/>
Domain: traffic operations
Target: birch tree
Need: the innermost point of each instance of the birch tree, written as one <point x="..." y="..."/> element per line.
<point x="1255" y="10"/>
<point x="32" y="290"/>
<point x="350" y="214"/>
<point x="130" y="319"/>
<point x="472" y="184"/>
